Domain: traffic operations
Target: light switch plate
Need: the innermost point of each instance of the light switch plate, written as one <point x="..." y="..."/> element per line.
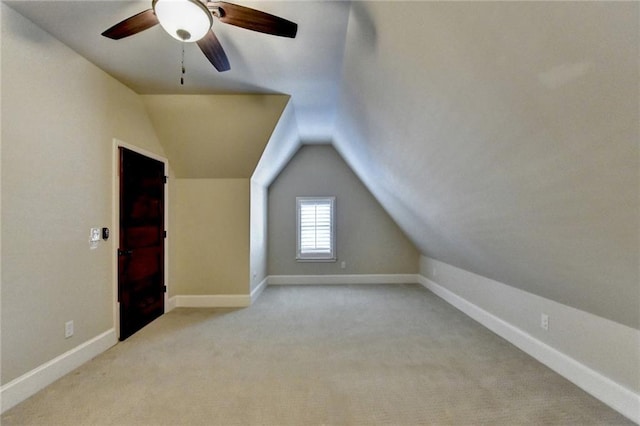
<point x="95" y="235"/>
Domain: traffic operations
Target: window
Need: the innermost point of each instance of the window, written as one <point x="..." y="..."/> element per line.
<point x="316" y="229"/>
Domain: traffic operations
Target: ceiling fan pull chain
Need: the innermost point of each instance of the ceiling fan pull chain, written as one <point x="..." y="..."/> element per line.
<point x="182" y="76"/>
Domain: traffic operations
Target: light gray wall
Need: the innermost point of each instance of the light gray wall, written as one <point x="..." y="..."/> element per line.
<point x="257" y="235"/>
<point x="60" y="114"/>
<point x="503" y="138"/>
<point x="367" y="239"/>
<point x="608" y="347"/>
<point x="282" y="145"/>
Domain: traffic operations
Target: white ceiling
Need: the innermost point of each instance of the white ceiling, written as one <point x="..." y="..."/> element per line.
<point x="308" y="67"/>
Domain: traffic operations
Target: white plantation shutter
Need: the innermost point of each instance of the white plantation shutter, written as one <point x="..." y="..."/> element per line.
<point x="315" y="228"/>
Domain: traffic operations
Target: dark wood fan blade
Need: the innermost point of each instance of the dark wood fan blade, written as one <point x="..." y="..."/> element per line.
<point x="212" y="49"/>
<point x="253" y="19"/>
<point x="133" y="25"/>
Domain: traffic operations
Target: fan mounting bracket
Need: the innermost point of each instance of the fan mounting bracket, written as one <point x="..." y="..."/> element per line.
<point x="216" y="11"/>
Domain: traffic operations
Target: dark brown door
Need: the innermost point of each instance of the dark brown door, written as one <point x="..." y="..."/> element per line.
<point x="141" y="253"/>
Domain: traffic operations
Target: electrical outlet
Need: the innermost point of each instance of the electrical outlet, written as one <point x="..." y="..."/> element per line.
<point x="544" y="321"/>
<point x="68" y="329"/>
<point x="343" y="265"/>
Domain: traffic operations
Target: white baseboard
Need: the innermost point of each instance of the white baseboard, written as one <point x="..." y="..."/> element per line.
<point x="242" y="300"/>
<point x="213" y="301"/>
<point x="606" y="390"/>
<point x="170" y="304"/>
<point x="342" y="279"/>
<point x="256" y="292"/>
<point x="37" y="379"/>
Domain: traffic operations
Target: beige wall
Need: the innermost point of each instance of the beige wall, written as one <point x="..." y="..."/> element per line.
<point x="208" y="136"/>
<point x="210" y="236"/>
<point x="367" y="239"/>
<point x="59" y="117"/>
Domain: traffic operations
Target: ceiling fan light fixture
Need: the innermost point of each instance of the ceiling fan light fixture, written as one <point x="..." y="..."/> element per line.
<point x="184" y="20"/>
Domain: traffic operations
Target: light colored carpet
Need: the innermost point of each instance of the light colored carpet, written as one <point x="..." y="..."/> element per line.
<point x="315" y="355"/>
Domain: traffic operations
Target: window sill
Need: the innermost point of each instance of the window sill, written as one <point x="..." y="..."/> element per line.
<point x="310" y="260"/>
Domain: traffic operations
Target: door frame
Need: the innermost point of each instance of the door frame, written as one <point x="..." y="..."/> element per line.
<point x="115" y="224"/>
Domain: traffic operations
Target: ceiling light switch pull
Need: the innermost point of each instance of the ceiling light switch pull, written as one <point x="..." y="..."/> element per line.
<point x="182" y="76"/>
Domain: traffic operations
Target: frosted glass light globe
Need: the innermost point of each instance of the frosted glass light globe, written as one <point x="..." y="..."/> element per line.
<point x="184" y="20"/>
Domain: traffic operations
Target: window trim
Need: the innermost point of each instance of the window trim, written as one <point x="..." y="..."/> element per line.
<point x="316" y="257"/>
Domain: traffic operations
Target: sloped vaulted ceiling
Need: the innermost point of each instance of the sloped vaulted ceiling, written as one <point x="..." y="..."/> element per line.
<point x="214" y="136"/>
<point x="503" y="137"/>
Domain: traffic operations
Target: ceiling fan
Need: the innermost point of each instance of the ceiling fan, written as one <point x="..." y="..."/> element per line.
<point x="191" y="21"/>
